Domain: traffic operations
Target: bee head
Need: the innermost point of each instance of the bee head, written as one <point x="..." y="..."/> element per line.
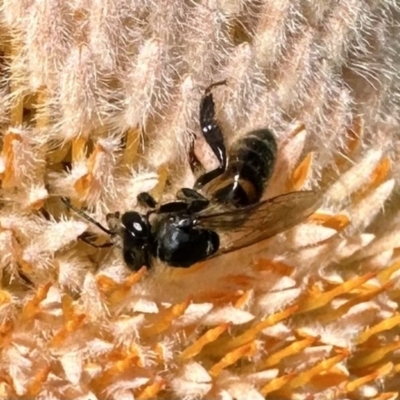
<point x="136" y="224"/>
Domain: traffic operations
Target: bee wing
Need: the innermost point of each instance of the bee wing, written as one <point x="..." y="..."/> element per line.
<point x="263" y="220"/>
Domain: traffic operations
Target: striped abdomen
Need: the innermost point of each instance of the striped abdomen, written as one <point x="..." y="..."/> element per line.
<point x="250" y="166"/>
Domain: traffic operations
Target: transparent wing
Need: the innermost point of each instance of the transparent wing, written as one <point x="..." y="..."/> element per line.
<point x="263" y="220"/>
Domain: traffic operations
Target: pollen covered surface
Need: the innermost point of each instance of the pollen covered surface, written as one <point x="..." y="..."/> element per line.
<point x="100" y="102"/>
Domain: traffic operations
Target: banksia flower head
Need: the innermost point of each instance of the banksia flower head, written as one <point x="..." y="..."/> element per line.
<point x="100" y="102"/>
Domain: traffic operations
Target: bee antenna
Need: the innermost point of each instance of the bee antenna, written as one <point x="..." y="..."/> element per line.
<point x="213" y="85"/>
<point x="86" y="216"/>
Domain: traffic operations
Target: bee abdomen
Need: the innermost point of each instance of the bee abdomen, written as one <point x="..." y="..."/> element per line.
<point x="251" y="164"/>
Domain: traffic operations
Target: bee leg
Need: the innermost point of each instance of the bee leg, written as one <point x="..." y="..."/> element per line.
<point x="85" y="238"/>
<point x="86" y="216"/>
<point x="211" y="129"/>
<point x="212" y="134"/>
<point x="189" y="194"/>
<point x="213" y="85"/>
<point x="187" y="200"/>
<point x="101" y="246"/>
<point x="196" y="201"/>
<point x="194" y="162"/>
<point x="173" y="207"/>
<point x="25" y="279"/>
<point x="147" y="200"/>
<point x="198" y="205"/>
<point x="208" y="177"/>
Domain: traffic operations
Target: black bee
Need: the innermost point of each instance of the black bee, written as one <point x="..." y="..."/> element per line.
<point x="225" y="200"/>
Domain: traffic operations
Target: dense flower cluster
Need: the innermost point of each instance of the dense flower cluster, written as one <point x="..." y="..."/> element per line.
<point x="100" y="101"/>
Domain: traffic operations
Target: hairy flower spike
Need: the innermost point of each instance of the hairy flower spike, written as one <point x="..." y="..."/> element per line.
<point x="47" y="31"/>
<point x="75" y="87"/>
<point x="108" y="35"/>
<point x="23" y="166"/>
<point x="141" y="83"/>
